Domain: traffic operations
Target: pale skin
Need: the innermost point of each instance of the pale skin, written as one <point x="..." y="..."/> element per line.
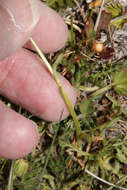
<point x="23" y="78"/>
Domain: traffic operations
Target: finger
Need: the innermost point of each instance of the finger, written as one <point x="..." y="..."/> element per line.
<point x="51" y="32"/>
<point x="18" y="135"/>
<point x="29" y="84"/>
<point x="17" y="22"/>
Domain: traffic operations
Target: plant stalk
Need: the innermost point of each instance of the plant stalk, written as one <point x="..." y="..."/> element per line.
<point x="42" y="56"/>
<point x="10" y="181"/>
<point x="99" y="16"/>
<point x="102" y="90"/>
<point x="62" y="91"/>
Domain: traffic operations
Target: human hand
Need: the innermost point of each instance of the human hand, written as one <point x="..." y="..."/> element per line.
<point x="23" y="77"/>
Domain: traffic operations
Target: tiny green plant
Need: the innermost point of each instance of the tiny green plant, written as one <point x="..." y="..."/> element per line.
<point x="119" y="83"/>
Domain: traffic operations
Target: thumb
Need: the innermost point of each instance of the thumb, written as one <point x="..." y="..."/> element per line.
<point x="17" y="22"/>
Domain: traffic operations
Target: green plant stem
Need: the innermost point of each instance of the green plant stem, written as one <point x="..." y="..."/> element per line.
<point x="72" y="34"/>
<point x="62" y="91"/>
<point x="65" y="97"/>
<point x="4" y="163"/>
<point x="47" y="159"/>
<point x="88" y="89"/>
<point x="102" y="90"/>
<point x="42" y="56"/>
<point x="10" y="181"/>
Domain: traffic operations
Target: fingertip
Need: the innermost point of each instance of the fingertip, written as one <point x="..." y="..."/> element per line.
<point x="51" y="32"/>
<point x="18" y="135"/>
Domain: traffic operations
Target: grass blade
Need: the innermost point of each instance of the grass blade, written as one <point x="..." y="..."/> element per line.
<point x="47" y="159"/>
<point x="10" y="181"/>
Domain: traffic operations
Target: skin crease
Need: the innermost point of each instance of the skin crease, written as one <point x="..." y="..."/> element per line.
<point x="24" y="80"/>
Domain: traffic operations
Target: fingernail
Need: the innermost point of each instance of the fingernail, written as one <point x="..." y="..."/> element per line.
<point x="18" y="19"/>
<point x="35" y="11"/>
<point x="23" y="14"/>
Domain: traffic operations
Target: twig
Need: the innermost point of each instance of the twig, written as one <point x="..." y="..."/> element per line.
<point x="76" y="27"/>
<point x="87" y="56"/>
<point x="110" y="188"/>
<point x="81" y="11"/>
<point x="104" y="181"/>
<point x="99" y="16"/>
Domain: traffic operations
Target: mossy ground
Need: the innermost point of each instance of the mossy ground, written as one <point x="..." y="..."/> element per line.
<point x="65" y="164"/>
